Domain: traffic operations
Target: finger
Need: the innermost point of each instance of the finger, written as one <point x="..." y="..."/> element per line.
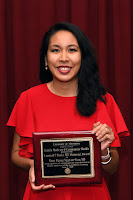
<point x="48" y="187"/>
<point x="31" y="175"/>
<point x="107" y="137"/>
<point x="37" y="188"/>
<point x="96" y="124"/>
<point x="102" y="132"/>
<point x="108" y="133"/>
<point x="96" y="128"/>
<point x="104" y="138"/>
<point x="32" y="178"/>
<point x="42" y="187"/>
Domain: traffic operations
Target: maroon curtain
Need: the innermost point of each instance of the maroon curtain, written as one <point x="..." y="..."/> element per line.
<point x="108" y="24"/>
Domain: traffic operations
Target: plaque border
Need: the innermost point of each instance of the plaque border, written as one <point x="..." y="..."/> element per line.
<point x="78" y="139"/>
<point x="61" y="182"/>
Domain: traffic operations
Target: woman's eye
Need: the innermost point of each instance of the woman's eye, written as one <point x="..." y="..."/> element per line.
<point x="72" y="50"/>
<point x="54" y="50"/>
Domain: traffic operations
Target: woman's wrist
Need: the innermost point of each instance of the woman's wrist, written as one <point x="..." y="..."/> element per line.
<point x="107" y="162"/>
<point x="106" y="157"/>
<point x="31" y="163"/>
<point x="104" y="152"/>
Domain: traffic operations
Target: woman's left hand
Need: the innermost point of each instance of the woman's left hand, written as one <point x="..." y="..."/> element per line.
<point x="104" y="134"/>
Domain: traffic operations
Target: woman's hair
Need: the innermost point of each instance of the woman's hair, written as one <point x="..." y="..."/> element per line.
<point x="90" y="88"/>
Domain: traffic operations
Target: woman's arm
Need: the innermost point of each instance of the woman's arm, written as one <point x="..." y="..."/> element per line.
<point x="112" y="166"/>
<point x="105" y="136"/>
<point x="26" y="163"/>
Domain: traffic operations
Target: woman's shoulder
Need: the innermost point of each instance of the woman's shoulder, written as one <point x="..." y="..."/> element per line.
<point x="109" y="98"/>
<point x="34" y="91"/>
<point x="109" y="104"/>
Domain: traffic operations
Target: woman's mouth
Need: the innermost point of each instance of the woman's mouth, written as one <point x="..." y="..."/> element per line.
<point x="64" y="69"/>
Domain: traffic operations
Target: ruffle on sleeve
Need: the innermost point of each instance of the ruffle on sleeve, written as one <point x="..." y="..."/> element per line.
<point x="22" y="118"/>
<point x="104" y="118"/>
<point x="26" y="145"/>
<point x="111" y="115"/>
<point x="116" y="117"/>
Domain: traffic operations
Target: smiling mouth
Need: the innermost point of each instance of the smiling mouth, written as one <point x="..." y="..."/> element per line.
<point x="64" y="69"/>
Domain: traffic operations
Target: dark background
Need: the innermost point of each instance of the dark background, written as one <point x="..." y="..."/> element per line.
<point x="108" y="24"/>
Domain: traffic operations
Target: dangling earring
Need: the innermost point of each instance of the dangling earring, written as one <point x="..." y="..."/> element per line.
<point x="46" y="67"/>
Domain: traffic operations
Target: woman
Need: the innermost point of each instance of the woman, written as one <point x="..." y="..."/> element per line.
<point x="72" y="98"/>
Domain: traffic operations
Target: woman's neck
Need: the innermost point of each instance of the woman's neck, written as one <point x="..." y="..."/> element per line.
<point x="65" y="89"/>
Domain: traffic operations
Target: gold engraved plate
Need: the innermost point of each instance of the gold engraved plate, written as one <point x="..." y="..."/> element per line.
<point x="67" y="157"/>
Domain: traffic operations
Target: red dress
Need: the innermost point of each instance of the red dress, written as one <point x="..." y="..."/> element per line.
<point x="39" y="110"/>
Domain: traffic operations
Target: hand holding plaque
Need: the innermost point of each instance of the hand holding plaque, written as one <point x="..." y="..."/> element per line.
<point x="67" y="158"/>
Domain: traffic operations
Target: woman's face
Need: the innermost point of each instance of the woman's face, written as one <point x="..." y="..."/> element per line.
<point x="63" y="56"/>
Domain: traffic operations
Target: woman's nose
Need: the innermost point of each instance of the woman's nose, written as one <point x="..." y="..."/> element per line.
<point x="64" y="56"/>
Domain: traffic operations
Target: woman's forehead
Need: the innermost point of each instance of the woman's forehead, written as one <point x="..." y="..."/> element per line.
<point x="63" y="37"/>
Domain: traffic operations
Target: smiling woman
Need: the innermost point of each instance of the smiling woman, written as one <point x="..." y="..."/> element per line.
<point x="63" y="59"/>
<point x="71" y="97"/>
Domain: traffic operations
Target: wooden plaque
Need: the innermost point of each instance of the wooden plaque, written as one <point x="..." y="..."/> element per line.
<point x="67" y="158"/>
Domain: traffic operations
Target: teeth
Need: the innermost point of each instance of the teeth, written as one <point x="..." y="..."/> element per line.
<point x="64" y="68"/>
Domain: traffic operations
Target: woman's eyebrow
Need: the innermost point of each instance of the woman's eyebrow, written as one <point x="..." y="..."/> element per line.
<point x="55" y="45"/>
<point x="70" y="45"/>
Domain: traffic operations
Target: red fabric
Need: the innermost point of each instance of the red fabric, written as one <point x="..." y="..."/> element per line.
<point x="108" y="24"/>
<point x="39" y="110"/>
<point x="115" y="114"/>
<point x="71" y="193"/>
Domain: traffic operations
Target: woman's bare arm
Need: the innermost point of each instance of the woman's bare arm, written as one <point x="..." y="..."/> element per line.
<point x="26" y="163"/>
<point x="105" y="136"/>
<point x="113" y="165"/>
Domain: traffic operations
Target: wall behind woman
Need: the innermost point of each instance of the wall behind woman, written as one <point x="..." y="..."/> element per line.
<point x="108" y="24"/>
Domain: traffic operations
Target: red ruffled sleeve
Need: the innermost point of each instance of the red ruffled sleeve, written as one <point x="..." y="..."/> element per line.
<point x="116" y="117"/>
<point x="111" y="115"/>
<point x="22" y="118"/>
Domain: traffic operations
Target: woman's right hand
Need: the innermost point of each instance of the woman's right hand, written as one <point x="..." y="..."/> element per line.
<point x="32" y="182"/>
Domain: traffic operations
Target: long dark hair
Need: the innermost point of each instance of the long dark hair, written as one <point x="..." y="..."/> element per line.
<point x="90" y="88"/>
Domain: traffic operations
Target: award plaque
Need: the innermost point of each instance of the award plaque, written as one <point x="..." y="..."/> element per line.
<point x="67" y="158"/>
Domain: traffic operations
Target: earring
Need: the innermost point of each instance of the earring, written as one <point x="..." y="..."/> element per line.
<point x="46" y="67"/>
